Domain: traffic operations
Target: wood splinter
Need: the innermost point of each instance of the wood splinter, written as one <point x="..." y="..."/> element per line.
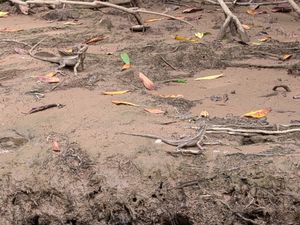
<point x="233" y="23"/>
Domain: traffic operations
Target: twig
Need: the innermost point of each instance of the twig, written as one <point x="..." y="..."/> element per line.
<point x="15" y="41"/>
<point x="255" y="131"/>
<point x="166" y="62"/>
<point x="233" y="23"/>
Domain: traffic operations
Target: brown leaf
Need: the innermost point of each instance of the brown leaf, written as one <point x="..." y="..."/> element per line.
<point x="286" y="57"/>
<point x="191" y="10"/>
<point x="126" y="67"/>
<point x="95" y="39"/>
<point x="154" y="111"/>
<point x="55" y="146"/>
<point x="146" y="81"/>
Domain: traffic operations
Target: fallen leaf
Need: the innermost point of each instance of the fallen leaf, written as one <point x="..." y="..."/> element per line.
<point x="116" y="102"/>
<point x="146" y="81"/>
<point x="3" y="14"/>
<point x="94" y="39"/>
<point x="201" y="34"/>
<point x="49" y="78"/>
<point x="204" y="114"/>
<point x="212" y="77"/>
<point x="9" y="30"/>
<point x="154" y="111"/>
<point x="125" y="58"/>
<point x="251" y="12"/>
<point x="246" y="27"/>
<point x="153" y="20"/>
<point x="258" y="113"/>
<point x="115" y="92"/>
<point x="179" y="38"/>
<point x="191" y="10"/>
<point x="181" y="81"/>
<point x="171" y="96"/>
<point x="126" y="67"/>
<point x="55" y="146"/>
<point x="177" y="17"/>
<point x="265" y="39"/>
<point x="286" y="57"/>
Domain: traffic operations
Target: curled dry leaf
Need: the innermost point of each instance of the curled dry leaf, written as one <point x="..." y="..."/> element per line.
<point x="258" y="113"/>
<point x="191" y="10"/>
<point x="202" y="34"/>
<point x="116" y="102"/>
<point x="212" y="77"/>
<point x="55" y="146"/>
<point x="126" y="67"/>
<point x="95" y="39"/>
<point x="204" y="114"/>
<point x="146" y="81"/>
<point x="153" y="20"/>
<point x="251" y="12"/>
<point x="154" y="111"/>
<point x="115" y="92"/>
<point x="286" y="57"/>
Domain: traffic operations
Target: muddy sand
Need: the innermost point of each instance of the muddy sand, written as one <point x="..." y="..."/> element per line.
<point x="70" y="165"/>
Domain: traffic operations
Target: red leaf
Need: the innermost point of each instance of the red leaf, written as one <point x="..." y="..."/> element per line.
<point x="147" y="82"/>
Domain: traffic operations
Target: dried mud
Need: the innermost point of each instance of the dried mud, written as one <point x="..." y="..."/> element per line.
<point x="99" y="176"/>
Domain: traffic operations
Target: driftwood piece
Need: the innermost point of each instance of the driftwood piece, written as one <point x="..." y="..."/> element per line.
<point x="232" y="23"/>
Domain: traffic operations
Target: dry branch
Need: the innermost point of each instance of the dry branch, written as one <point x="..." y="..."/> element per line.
<point x="134" y="11"/>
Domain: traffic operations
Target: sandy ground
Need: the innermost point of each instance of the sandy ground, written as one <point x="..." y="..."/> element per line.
<point x="99" y="176"/>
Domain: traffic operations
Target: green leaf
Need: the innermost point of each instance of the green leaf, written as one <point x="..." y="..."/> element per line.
<point x="125" y="58"/>
<point x="181" y="81"/>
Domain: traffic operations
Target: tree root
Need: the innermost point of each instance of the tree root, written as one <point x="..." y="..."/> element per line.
<point x="233" y="23"/>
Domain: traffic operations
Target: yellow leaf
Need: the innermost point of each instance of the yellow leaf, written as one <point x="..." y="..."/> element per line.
<point x="154" y="111"/>
<point x="126" y="67"/>
<point x="246" y="27"/>
<point x="52" y="74"/>
<point x="204" y="114"/>
<point x="116" y="102"/>
<point x="179" y="38"/>
<point x="286" y="57"/>
<point x="3" y="14"/>
<point x="201" y="34"/>
<point x="171" y="96"/>
<point x="115" y="92"/>
<point x="258" y="113"/>
<point x="210" y="77"/>
<point x="153" y="20"/>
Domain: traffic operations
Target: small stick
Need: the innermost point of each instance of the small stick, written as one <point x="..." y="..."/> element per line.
<point x="44" y="107"/>
<point x="165" y="61"/>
